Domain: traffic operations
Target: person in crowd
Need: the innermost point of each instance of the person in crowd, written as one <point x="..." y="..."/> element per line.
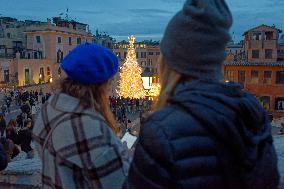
<point x="75" y="132"/>
<point x="2" y="124"/>
<point x="25" y="108"/>
<point x="20" y="119"/>
<point x="9" y="148"/>
<point x="8" y="103"/>
<point x="11" y="132"/>
<point x="3" y="158"/>
<point x="204" y="133"/>
<point x="3" y="109"/>
<point x="25" y="138"/>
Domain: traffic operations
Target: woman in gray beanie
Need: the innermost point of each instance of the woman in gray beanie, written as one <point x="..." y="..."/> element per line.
<point x="204" y="133"/>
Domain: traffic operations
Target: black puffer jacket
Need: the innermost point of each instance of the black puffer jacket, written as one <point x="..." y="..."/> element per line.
<point x="210" y="136"/>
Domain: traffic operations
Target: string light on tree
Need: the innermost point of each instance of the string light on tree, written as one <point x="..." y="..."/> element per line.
<point x="130" y="84"/>
<point x="155" y="90"/>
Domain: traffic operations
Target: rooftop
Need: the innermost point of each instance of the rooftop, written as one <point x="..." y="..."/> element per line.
<point x="246" y="63"/>
<point x="52" y="28"/>
<point x="263" y="25"/>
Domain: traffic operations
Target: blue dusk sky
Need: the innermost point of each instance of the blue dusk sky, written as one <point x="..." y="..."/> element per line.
<point x="146" y="19"/>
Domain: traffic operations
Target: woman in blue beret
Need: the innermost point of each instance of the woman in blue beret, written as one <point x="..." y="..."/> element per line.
<point x="205" y="133"/>
<point x="75" y="132"/>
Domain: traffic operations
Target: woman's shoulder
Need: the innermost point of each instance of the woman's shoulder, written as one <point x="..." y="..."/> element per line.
<point x="168" y="118"/>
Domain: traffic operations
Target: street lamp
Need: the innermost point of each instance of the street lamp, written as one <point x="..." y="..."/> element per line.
<point x="50" y="80"/>
<point x="40" y="78"/>
<point x="147" y="79"/>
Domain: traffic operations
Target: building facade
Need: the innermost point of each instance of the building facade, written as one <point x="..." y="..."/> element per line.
<point x="12" y="36"/>
<point x="259" y="69"/>
<point x="147" y="54"/>
<point x="45" y="46"/>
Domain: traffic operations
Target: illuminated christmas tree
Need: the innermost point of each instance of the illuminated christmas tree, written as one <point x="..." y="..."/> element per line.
<point x="130" y="84"/>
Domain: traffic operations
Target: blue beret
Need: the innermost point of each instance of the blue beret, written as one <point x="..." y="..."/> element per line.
<point x="90" y="64"/>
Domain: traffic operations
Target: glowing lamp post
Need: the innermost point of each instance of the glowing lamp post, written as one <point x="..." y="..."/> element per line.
<point x="147" y="78"/>
<point x="40" y="78"/>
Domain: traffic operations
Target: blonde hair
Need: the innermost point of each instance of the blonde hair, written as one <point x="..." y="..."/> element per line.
<point x="169" y="79"/>
<point x="91" y="96"/>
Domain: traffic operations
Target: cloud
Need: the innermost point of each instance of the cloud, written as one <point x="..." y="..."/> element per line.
<point x="151" y="11"/>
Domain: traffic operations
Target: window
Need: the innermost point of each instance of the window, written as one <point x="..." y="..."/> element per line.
<point x="70" y="41"/>
<point x="38" y="39"/>
<point x="268" y="35"/>
<point x="280" y="77"/>
<point x="27" y="76"/>
<point x="143" y="54"/>
<point x="268" y="53"/>
<point x="41" y="75"/>
<point x="157" y="53"/>
<point x="254" y="77"/>
<point x="59" y="56"/>
<point x="35" y="55"/>
<point x="150" y="53"/>
<point x="137" y="55"/>
<point x="78" y="41"/>
<point x="265" y="102"/>
<point x="241" y="77"/>
<point x="40" y="54"/>
<point x="256" y="36"/>
<point x="230" y="75"/>
<point x="8" y="35"/>
<point x="255" y="53"/>
<point x="267" y="77"/>
<point x="48" y="71"/>
<point x="59" y="72"/>
<point x="58" y="39"/>
<point x="125" y="54"/>
<point x="6" y="76"/>
<point x="279" y="103"/>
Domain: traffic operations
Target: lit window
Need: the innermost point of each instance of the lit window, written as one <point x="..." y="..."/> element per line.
<point x="230" y="75"/>
<point x="267" y="77"/>
<point x="279" y="103"/>
<point x="254" y="77"/>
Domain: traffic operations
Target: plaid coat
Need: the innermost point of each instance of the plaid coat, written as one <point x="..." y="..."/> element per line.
<point x="78" y="149"/>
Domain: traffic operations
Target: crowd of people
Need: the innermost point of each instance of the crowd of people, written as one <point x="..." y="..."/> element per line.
<point x="16" y="133"/>
<point x="124" y="108"/>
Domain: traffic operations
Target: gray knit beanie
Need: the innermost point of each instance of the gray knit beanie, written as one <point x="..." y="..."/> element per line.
<point x="195" y="39"/>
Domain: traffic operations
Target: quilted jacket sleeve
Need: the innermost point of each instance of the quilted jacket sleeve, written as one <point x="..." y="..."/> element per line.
<point x="152" y="159"/>
<point x="3" y="159"/>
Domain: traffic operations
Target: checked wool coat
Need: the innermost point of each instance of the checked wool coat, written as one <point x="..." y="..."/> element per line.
<point x="78" y="149"/>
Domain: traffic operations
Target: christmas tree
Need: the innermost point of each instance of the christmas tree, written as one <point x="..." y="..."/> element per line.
<point x="130" y="84"/>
